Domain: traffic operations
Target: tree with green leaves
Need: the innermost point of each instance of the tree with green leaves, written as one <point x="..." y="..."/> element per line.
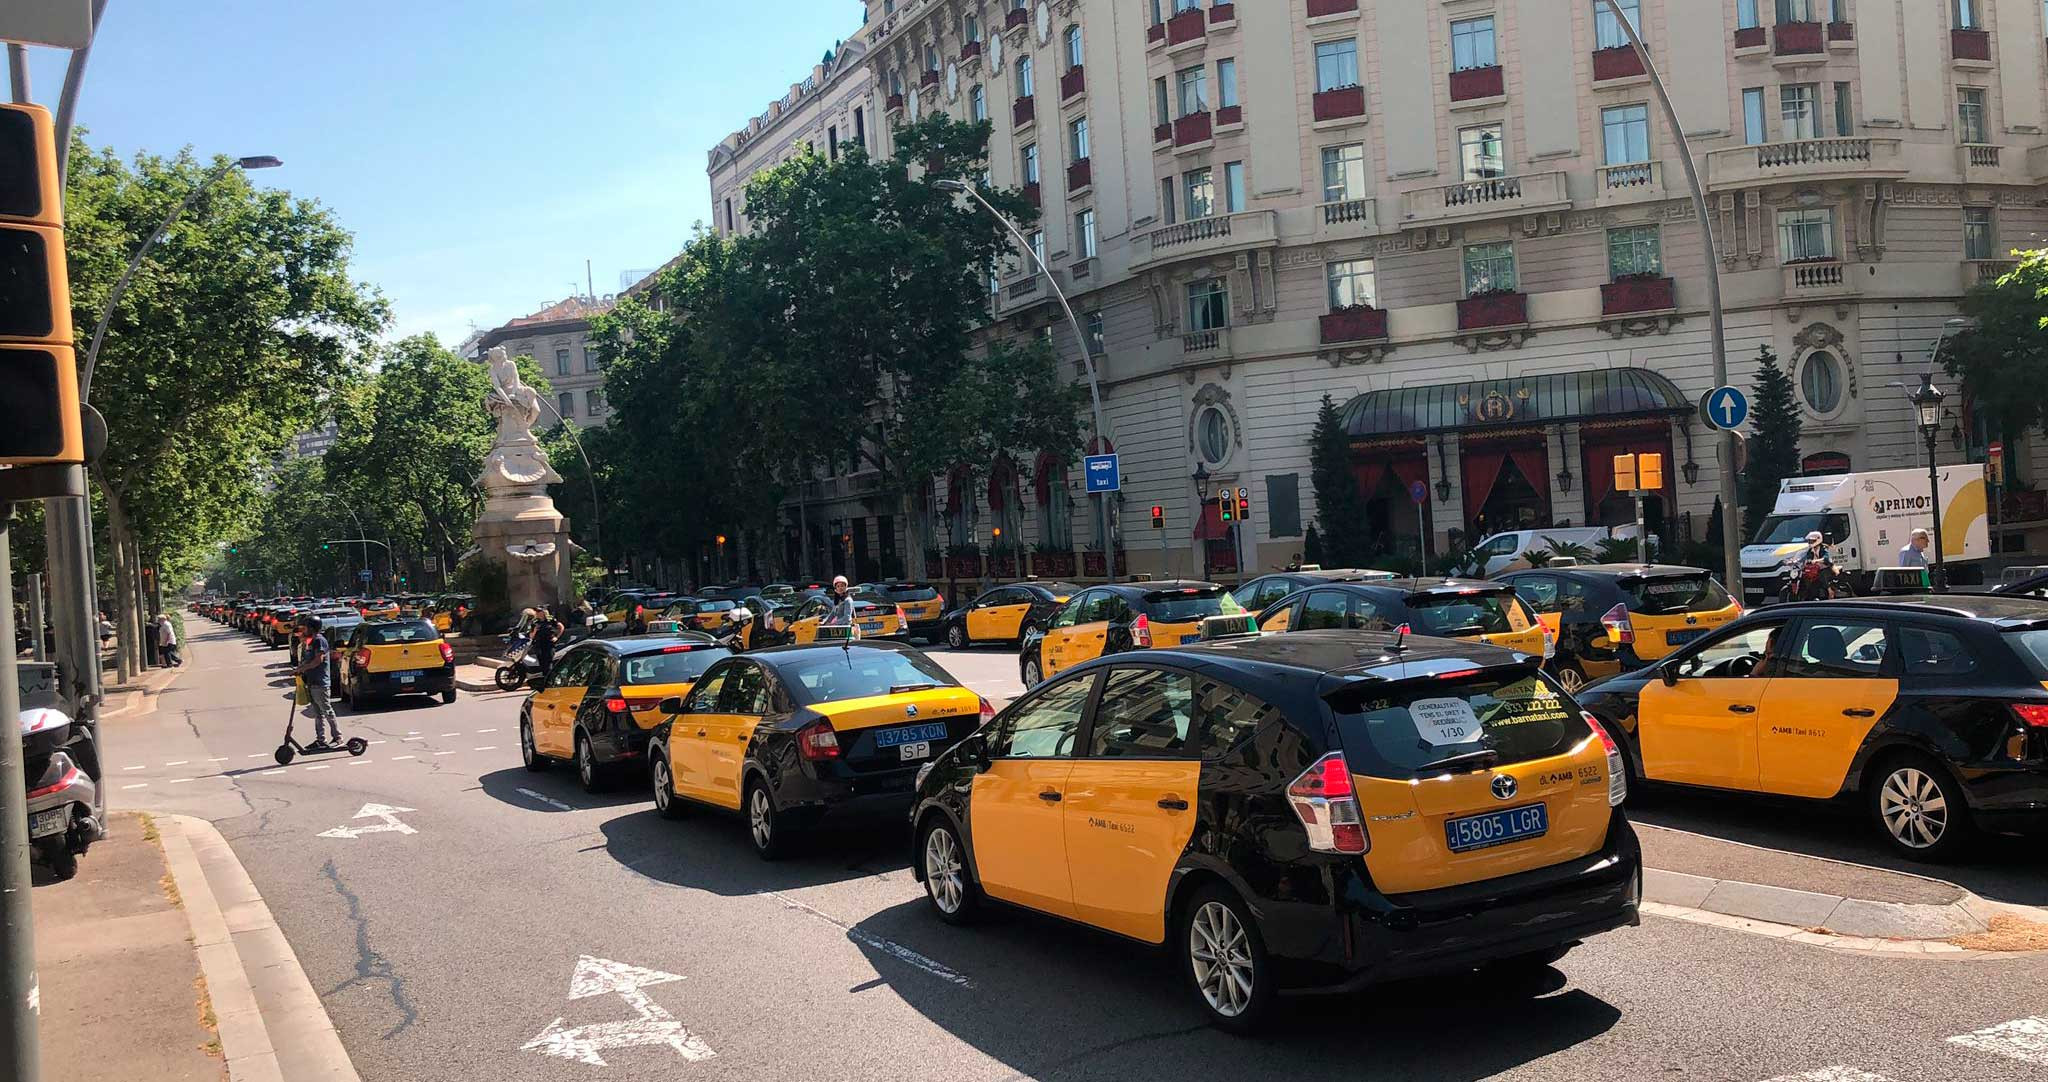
<point x="1773" y="441"/>
<point x="1340" y="506"/>
<point x="2003" y="356"/>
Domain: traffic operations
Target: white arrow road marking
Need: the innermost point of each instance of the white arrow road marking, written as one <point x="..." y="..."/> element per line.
<point x="654" y="1026"/>
<point x="384" y="812"/>
<point x="2024" y="1039"/>
<point x="548" y="800"/>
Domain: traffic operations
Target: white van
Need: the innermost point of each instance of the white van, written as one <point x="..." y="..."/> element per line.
<point x="1505" y="552"/>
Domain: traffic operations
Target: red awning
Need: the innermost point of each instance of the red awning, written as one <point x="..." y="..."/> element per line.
<point x="1211" y="527"/>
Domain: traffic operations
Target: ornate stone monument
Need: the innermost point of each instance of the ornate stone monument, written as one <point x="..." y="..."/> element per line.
<point x="519" y="526"/>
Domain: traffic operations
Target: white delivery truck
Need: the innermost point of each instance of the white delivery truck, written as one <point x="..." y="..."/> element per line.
<point x="1865" y="518"/>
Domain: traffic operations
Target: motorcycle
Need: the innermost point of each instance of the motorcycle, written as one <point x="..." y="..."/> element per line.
<point x="61" y="796"/>
<point x="519" y="671"/>
<point x="1813" y="579"/>
<point x="734" y="635"/>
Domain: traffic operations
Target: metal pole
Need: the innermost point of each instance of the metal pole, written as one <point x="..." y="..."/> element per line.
<point x="1934" y="498"/>
<point x="1642" y="531"/>
<point x="1422" y="535"/>
<point x="17" y="72"/>
<point x="67" y="102"/>
<point x="19" y="1054"/>
<point x="36" y="617"/>
<point x="1731" y="541"/>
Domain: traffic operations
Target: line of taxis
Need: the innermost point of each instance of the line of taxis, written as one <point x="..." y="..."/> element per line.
<point x="1367" y="778"/>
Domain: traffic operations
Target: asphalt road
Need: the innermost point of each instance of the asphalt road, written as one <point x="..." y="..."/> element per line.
<point x="450" y="949"/>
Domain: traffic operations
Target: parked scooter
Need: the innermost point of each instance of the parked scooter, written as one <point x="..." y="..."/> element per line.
<point x="61" y="796"/>
<point x="518" y="672"/>
<point x="734" y="636"/>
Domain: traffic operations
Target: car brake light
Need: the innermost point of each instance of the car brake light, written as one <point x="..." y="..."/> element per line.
<point x="616" y="704"/>
<point x="447" y="654"/>
<point x="988" y="710"/>
<point x="1327" y="805"/>
<point x="1549" y="642"/>
<point x="1617" y="770"/>
<point x="683" y="649"/>
<point x="817" y="741"/>
<point x="363" y="658"/>
<point x="1616" y="621"/>
<point x="902" y="617"/>
<point x="2035" y="715"/>
<point x="1141" y="632"/>
<point x="70" y="775"/>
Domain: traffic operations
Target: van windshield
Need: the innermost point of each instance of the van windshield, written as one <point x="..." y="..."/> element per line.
<point x="1401" y="732"/>
<point x="1785" y="529"/>
<point x="1665" y="595"/>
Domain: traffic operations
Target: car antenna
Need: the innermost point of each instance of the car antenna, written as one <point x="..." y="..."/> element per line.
<point x="1400" y="639"/>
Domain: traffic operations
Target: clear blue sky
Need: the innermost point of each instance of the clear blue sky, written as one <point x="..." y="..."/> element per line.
<point x="480" y="150"/>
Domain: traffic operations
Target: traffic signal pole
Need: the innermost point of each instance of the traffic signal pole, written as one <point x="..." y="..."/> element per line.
<point x="20" y="1056"/>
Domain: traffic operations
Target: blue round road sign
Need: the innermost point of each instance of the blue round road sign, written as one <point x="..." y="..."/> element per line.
<point x="1418" y="491"/>
<point x="1724" y="408"/>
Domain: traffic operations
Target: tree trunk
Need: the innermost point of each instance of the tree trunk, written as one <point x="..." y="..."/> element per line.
<point x="124" y="594"/>
<point x="913" y="560"/>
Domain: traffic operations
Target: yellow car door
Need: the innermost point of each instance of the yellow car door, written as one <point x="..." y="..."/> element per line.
<point x="555" y="705"/>
<point x="1006" y="617"/>
<point x="742" y="702"/>
<point x="1090" y="633"/>
<point x="1701" y="728"/>
<point x="1129" y="804"/>
<point x="804" y="629"/>
<point x="1828" y="689"/>
<point x="1052" y="650"/>
<point x="983" y="617"/>
<point x="1014" y="813"/>
<point x="690" y="735"/>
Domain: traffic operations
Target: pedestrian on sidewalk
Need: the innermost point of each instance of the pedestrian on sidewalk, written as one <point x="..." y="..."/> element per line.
<point x="167" y="641"/>
<point x="312" y="672"/>
<point x="1915" y="552"/>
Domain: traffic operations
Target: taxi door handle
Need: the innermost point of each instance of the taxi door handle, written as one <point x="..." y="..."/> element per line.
<point x="1173" y="803"/>
<point x="1050" y="796"/>
<point x="1741" y="709"/>
<point x="1858" y="712"/>
<point x="701" y="732"/>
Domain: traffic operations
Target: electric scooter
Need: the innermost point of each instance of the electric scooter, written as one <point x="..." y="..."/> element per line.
<point x="291" y="748"/>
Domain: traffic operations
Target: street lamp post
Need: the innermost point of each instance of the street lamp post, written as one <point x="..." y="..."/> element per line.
<point x="1927" y="403"/>
<point x="1104" y="507"/>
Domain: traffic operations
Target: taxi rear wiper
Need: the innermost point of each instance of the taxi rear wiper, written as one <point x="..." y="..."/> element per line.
<point x="1462" y="764"/>
<point x="899" y="689"/>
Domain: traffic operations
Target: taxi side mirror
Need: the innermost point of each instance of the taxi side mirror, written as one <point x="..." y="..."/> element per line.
<point x="974" y="752"/>
<point x="538" y="683"/>
<point x="672" y="705"/>
<point x="1668" y="672"/>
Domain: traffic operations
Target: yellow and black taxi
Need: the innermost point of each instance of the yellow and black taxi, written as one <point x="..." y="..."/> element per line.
<point x="450" y="612"/>
<point x="1932" y="711"/>
<point x="871" y="620"/>
<point x="1449" y="608"/>
<point x="384" y="659"/>
<point x="1263" y="592"/>
<point x="924" y="608"/>
<point x="1611" y="618"/>
<point x="378" y="608"/>
<point x="601" y="704"/>
<point x="1307" y="812"/>
<point x="792" y="735"/>
<point x="706" y="614"/>
<point x="1006" y="614"/>
<point x="1115" y="618"/>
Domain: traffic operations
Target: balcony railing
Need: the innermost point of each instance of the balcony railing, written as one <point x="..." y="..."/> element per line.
<point x="1025" y="111"/>
<point x="970" y="51"/>
<point x="895" y="103"/>
<point x="1319" y="8"/>
<point x="1080" y="174"/>
<point x="1362" y="212"/>
<point x="1204" y="236"/>
<point x="1979" y="155"/>
<point x="1494" y="197"/>
<point x="929" y="77"/>
<point x="1032" y="192"/>
<point x="1203" y="343"/>
<point x="1635" y="180"/>
<point x="1229" y="115"/>
<point x="1188" y="26"/>
<point x="1361" y="323"/>
<point x="1193" y="129"/>
<point x="1163" y="133"/>
<point x="1631" y="295"/>
<point x="1841" y="31"/>
<point x="1979" y="271"/>
<point x="1751" y="37"/>
<point x="1970" y="44"/>
<point x="1345" y="101"/>
<point x="1474" y="83"/>
<point x="1027" y="286"/>
<point x="1807" y="159"/>
<point x="1072" y="83"/>
<point x="1818" y="276"/>
<point x="1794" y="39"/>
<point x="1016" y="18"/>
<point x="1222" y="13"/>
<point x="1619" y="62"/>
<point x="1155" y="34"/>
<point x="1493" y="310"/>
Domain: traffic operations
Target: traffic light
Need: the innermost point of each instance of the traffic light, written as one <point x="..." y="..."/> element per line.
<point x="1158" y="517"/>
<point x="1624" y="473"/>
<point x="39" y="416"/>
<point x="1650" y="472"/>
<point x="1244" y="506"/>
<point x="1224" y="506"/>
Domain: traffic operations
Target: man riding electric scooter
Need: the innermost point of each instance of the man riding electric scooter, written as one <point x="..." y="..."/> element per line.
<point x="314" y="666"/>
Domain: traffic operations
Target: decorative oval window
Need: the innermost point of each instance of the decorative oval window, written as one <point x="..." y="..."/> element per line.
<point x="1212" y="435"/>
<point x="1820" y="381"/>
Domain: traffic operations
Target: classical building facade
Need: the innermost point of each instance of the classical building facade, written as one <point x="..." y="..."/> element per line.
<point x="558" y="339"/>
<point x="1468" y="224"/>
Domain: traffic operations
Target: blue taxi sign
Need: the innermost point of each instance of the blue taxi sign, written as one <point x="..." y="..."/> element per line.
<point x="1102" y="473"/>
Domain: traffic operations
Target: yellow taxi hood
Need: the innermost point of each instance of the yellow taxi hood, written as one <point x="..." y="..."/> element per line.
<point x="875" y="711"/>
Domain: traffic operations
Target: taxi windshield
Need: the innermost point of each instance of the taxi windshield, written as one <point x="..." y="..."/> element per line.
<point x="1679" y="593"/>
<point x="669" y="668"/>
<point x="832" y="676"/>
<point x="715" y="604"/>
<point x="1404" y="731"/>
<point x="1452" y="615"/>
<point x="409" y="631"/>
<point x="1190" y="605"/>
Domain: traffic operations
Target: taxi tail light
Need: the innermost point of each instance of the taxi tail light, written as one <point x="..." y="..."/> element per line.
<point x="2033" y="715"/>
<point x="1616" y="621"/>
<point x="1617" y="769"/>
<point x="988" y="710"/>
<point x="447" y="654"/>
<point x="1549" y="642"/>
<point x="1327" y="805"/>
<point x="1141" y="632"/>
<point x="616" y="704"/>
<point x="817" y="741"/>
<point x="363" y="658"/>
<point x="902" y="617"/>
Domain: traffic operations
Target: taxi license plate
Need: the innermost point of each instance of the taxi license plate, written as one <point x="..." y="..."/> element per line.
<point x="920" y="750"/>
<point x="407" y="677"/>
<point x="1496" y="828"/>
<point x="1197" y="637"/>
<point x="1677" y="638"/>
<point x="871" y="625"/>
<point x="910" y="734"/>
<point x="45" y="823"/>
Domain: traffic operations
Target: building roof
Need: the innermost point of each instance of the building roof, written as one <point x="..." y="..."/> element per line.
<point x="571" y="313"/>
<point x="1516" y="401"/>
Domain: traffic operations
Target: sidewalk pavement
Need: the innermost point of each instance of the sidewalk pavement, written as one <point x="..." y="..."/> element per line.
<point x="160" y="961"/>
<point x="126" y="700"/>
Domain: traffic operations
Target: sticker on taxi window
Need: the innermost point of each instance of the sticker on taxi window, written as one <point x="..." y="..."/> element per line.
<point x="1444" y="722"/>
<point x="1525" y="701"/>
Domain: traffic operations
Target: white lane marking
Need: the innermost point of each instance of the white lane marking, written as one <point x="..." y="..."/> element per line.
<point x="415" y="738"/>
<point x="259" y="755"/>
<point x="897" y="950"/>
<point x="2023" y="1039"/>
<point x="486" y="747"/>
<point x="1832" y="1074"/>
<point x="322" y="766"/>
<point x="654" y="1026"/>
<point x="451" y="734"/>
<point x="178" y="762"/>
<point x="279" y="770"/>
<point x="548" y="800"/>
<point x="137" y="785"/>
<point x="374" y="743"/>
<point x="137" y="767"/>
<point x="218" y="759"/>
<point x="396" y="758"/>
<point x="481" y="732"/>
<point x="359" y="762"/>
<point x="181" y="781"/>
<point x="444" y="753"/>
<point x="389" y="823"/>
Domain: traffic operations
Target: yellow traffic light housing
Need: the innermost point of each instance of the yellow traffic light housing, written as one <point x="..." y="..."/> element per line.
<point x="1650" y="472"/>
<point x="1223" y="505"/>
<point x="1624" y="473"/>
<point x="39" y="409"/>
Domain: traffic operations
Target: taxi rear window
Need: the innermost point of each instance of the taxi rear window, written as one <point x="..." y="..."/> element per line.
<point x="1186" y="606"/>
<point x="715" y="604"/>
<point x="1406" y="730"/>
<point x="1476" y="613"/>
<point x="904" y="591"/>
<point x="1666" y="595"/>
<point x="670" y="668"/>
<point x="395" y="634"/>
<point x="2033" y="649"/>
<point x="838" y="675"/>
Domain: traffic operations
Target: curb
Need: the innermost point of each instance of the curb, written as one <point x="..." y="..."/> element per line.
<point x="140" y="700"/>
<point x="223" y="929"/>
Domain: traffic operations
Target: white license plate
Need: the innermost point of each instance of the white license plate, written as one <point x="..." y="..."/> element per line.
<point x="54" y="821"/>
<point x="407" y="677"/>
<point x="920" y="750"/>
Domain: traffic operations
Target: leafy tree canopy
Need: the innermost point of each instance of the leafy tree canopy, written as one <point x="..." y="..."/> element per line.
<point x="2003" y="357"/>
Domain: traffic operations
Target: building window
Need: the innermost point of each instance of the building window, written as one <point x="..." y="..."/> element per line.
<point x="1025" y="84"/>
<point x="1968" y="17"/>
<point x="1208" y="305"/>
<point x="1795" y="11"/>
<point x="1480" y="152"/>
<point x="1806" y="236"/>
<point x="977" y="103"/>
<point x="1352" y="284"/>
<point x="1753" y="131"/>
<point x="931" y="57"/>
<point x="1970" y="115"/>
<point x="565" y="404"/>
<point x="1165" y="101"/>
<point x="1820" y="381"/>
<point x="860" y="127"/>
<point x="1746" y="16"/>
<point x="729" y="226"/>
<point x="1472" y="44"/>
<point x="1978" y="242"/>
<point x="1489" y="268"/>
<point x="1194" y="90"/>
<point x="1336" y="64"/>
<point x="1845" y="109"/>
<point x="1625" y="130"/>
<point x="1182" y="7"/>
<point x="1607" y="29"/>
<point x="970" y="28"/>
<point x="1077" y="138"/>
<point x="1084" y="233"/>
<point x="1226" y="84"/>
<point x="1635" y="249"/>
<point x="562" y="362"/>
<point x="1198" y="187"/>
<point x="1233" y="187"/>
<point x="1037" y="249"/>
<point x="1074" y="53"/>
<point x="832" y="143"/>
<point x="1796" y="111"/>
<point x="1030" y="159"/>
<point x="590" y="362"/>
<point x="593" y="401"/>
<point x="1343" y="173"/>
<point x="1168" y="200"/>
<point x="1212" y="436"/>
<point x="1092" y="325"/>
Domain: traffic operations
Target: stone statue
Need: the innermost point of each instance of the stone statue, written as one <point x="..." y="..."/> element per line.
<point x="519" y="526"/>
<point x="516" y="461"/>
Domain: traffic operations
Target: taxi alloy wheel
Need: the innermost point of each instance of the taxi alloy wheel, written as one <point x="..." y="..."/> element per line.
<point x="666" y="803"/>
<point x="1226" y="961"/>
<point x="956" y="637"/>
<point x="1571" y="678"/>
<point x="946" y="884"/>
<point x="528" y="754"/>
<point x="1921" y="810"/>
<point x="587" y="770"/>
<point x="1033" y="676"/>
<point x="763" y="825"/>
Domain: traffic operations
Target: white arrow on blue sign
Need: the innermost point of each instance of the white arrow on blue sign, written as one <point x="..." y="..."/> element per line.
<point x="1725" y="408"/>
<point x="1102" y="473"/>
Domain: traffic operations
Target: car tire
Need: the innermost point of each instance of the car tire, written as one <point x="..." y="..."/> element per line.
<point x="448" y="697"/>
<point x="1224" y="961"/>
<point x="529" y="754"/>
<point x="666" y="803"/>
<point x="1919" y="807"/>
<point x="950" y="889"/>
<point x="1024" y="631"/>
<point x="1033" y="675"/>
<point x="589" y="772"/>
<point x="956" y="637"/>
<point x="1571" y="677"/>
<point x="765" y="826"/>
